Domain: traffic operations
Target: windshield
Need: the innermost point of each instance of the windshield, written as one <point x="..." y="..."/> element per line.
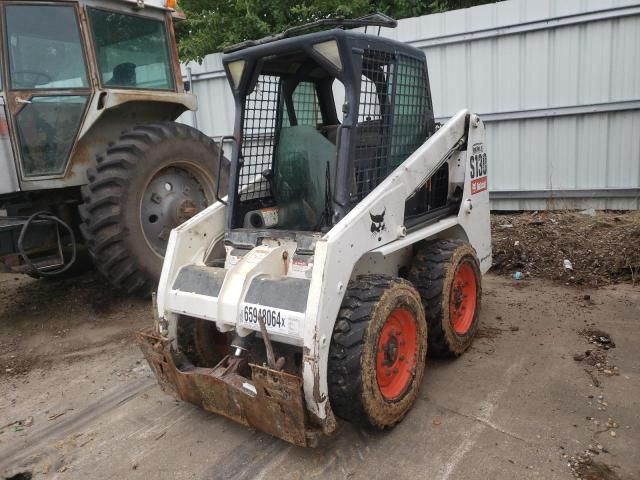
<point x="131" y="51"/>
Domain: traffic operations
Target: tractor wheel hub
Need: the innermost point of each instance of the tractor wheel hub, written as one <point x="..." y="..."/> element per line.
<point x="172" y="197"/>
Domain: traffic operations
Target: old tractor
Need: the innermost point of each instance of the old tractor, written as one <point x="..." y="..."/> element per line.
<point x="92" y="164"/>
<point x="351" y="241"/>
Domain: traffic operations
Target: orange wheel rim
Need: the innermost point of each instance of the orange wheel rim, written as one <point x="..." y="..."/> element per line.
<point x="397" y="354"/>
<point x="462" y="305"/>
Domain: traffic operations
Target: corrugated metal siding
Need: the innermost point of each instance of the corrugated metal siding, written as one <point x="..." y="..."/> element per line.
<point x="556" y="81"/>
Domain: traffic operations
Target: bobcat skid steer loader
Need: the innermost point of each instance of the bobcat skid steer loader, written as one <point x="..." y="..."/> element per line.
<point x="351" y="242"/>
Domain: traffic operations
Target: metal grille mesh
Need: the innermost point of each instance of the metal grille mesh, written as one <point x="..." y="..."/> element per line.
<point x="392" y="117"/>
<point x="305" y="105"/>
<point x="392" y="122"/>
<point x="410" y="107"/>
<point x="259" y="137"/>
<point x="374" y="120"/>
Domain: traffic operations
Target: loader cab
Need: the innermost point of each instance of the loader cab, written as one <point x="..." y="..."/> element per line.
<point x="322" y="119"/>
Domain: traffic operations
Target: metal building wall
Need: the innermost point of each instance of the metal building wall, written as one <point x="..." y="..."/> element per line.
<point x="556" y="81"/>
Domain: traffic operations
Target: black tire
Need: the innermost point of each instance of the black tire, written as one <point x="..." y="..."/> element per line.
<point x="433" y="272"/>
<point x="122" y="186"/>
<point x="201" y="342"/>
<point x="355" y="391"/>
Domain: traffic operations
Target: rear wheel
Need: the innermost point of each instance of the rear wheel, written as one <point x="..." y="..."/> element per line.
<point x="201" y="342"/>
<point x="447" y="275"/>
<point x="377" y="352"/>
<point x="151" y="180"/>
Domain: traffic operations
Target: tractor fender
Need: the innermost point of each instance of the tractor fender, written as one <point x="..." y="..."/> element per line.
<point x="109" y="114"/>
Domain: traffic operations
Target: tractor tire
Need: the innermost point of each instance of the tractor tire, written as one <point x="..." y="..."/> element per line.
<point x="377" y="352"/>
<point x="151" y="180"/>
<point x="447" y="275"/>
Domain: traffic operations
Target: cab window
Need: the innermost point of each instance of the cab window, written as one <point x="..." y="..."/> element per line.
<point x="47" y="127"/>
<point x="132" y="51"/>
<point x="44" y="47"/>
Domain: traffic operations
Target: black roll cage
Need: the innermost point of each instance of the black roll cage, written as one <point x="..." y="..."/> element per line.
<point x="260" y="59"/>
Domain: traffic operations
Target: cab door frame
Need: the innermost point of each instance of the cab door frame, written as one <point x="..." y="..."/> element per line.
<point x="8" y="169"/>
<point x="17" y="99"/>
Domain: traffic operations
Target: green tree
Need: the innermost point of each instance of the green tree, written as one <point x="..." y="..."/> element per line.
<point x="213" y="24"/>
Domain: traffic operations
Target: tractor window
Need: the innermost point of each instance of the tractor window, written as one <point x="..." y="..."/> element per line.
<point x="46" y="128"/>
<point x="44" y="47"/>
<point x="132" y="51"/>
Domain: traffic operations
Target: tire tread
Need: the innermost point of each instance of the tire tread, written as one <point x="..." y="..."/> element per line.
<point x="428" y="273"/>
<point x="102" y="222"/>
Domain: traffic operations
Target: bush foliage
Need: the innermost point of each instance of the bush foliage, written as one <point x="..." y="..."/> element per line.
<point x="213" y="24"/>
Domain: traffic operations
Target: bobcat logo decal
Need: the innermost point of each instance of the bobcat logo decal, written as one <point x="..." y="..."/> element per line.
<point x="377" y="223"/>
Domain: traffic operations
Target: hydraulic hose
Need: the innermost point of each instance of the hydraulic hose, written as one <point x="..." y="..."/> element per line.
<point x="33" y="269"/>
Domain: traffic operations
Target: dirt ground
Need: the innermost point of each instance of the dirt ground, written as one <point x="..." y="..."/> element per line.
<point x="579" y="248"/>
<point x="549" y="390"/>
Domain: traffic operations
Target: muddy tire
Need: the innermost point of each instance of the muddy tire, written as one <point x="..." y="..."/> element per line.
<point x="152" y="179"/>
<point x="447" y="275"/>
<point x="377" y="352"/>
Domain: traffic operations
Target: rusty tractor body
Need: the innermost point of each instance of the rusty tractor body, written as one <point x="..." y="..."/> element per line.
<point x="351" y="241"/>
<point x="89" y="91"/>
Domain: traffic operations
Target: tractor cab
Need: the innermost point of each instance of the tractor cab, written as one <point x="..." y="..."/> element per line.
<point x="322" y="119"/>
<point x="89" y="91"/>
<point x="58" y="57"/>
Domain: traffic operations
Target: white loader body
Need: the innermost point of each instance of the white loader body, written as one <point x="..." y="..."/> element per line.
<point x="299" y="296"/>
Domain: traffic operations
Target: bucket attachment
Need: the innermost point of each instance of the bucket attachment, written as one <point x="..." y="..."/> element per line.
<point x="270" y="400"/>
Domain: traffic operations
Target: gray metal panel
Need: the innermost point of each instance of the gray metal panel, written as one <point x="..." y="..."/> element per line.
<point x="556" y="81"/>
<point x="286" y="293"/>
<point x="8" y="175"/>
<point x="200" y="279"/>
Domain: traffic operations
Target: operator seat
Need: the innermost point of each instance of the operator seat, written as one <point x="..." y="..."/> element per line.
<point x="302" y="159"/>
<point x="124" y="75"/>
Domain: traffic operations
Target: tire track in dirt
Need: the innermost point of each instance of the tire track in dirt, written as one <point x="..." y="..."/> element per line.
<point x="483" y="421"/>
<point x="20" y="454"/>
<point x="250" y="459"/>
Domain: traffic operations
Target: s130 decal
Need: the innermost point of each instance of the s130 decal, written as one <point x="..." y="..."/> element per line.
<point x="478" y="161"/>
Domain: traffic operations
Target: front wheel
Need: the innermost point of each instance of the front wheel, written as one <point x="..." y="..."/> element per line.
<point x="377" y="352"/>
<point x="151" y="180"/>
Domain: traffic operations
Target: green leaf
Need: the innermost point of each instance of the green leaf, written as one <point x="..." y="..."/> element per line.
<point x="213" y="24"/>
